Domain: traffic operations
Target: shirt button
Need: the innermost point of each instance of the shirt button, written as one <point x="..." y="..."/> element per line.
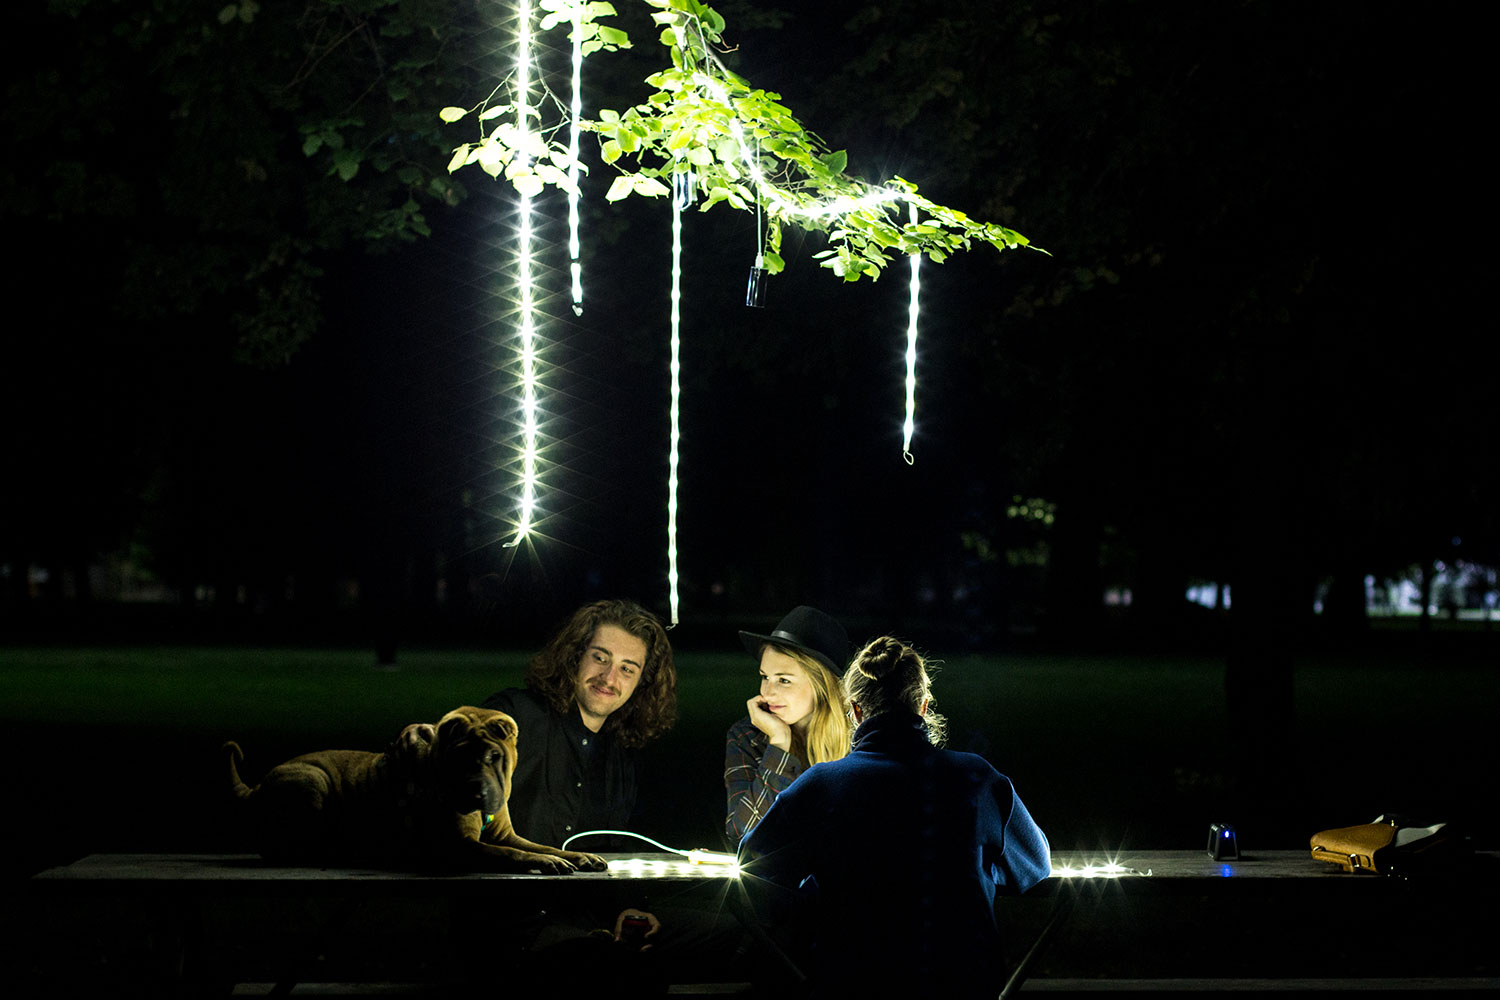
<point x="579" y="785"/>
<point x="585" y="742"/>
<point x="568" y="828"/>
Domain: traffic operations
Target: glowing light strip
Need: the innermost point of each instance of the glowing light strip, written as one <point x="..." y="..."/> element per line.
<point x="698" y="856"/>
<point x="577" y="113"/>
<point x="1110" y="869"/>
<point x="676" y="371"/>
<point x="911" y="351"/>
<point x="524" y="283"/>
<point x="841" y="205"/>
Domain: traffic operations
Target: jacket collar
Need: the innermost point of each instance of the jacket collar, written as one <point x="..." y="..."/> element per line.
<point x="891" y="729"/>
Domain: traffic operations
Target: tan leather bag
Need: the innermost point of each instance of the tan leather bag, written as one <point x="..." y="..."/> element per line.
<point x="1354" y="848"/>
<point x="1387" y="848"/>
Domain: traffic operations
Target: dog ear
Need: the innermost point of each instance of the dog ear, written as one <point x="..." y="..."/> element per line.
<point x="452" y="726"/>
<point x="501" y="727"/>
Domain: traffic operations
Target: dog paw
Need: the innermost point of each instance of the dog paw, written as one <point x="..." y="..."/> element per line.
<point x="587" y="862"/>
<point x="552" y="866"/>
<point x="416" y="739"/>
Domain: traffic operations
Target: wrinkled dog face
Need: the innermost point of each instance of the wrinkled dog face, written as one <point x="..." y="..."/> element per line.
<point x="475" y="757"/>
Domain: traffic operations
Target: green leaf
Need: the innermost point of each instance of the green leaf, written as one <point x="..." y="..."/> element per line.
<point x="650" y="186"/>
<point x="621" y="187"/>
<point x="774" y="263"/>
<point x="346" y="163"/>
<point x="836" y="161"/>
<point x="528" y="184"/>
<point x="451" y="114"/>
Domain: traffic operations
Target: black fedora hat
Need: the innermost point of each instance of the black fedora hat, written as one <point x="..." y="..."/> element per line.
<point x="810" y="631"/>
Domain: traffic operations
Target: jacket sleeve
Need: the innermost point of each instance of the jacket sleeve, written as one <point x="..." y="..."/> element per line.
<point x="1020" y="857"/>
<point x="753" y="777"/>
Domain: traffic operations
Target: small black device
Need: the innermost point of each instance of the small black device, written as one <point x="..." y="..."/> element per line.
<point x="1223" y="844"/>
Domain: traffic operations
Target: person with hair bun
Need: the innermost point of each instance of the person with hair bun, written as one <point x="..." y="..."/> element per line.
<point x="891" y="858"/>
<point x="796" y="719"/>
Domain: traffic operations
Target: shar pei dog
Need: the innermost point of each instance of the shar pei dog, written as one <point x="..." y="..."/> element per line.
<point x="436" y="799"/>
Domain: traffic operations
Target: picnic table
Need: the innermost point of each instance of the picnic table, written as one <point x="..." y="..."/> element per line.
<point x="1144" y="921"/>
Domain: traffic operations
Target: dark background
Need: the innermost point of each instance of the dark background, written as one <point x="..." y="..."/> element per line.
<point x="242" y="386"/>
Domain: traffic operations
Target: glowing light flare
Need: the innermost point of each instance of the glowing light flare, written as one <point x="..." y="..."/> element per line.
<point x="912" y="309"/>
<point x="1109" y="869"/>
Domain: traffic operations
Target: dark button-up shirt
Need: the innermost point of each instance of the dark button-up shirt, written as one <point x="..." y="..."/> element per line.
<point x="568" y="780"/>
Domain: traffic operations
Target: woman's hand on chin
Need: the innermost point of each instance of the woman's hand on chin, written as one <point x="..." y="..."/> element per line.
<point x="779" y="732"/>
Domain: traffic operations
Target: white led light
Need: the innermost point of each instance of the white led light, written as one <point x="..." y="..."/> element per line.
<point x="909" y="427"/>
<point x="524" y="281"/>
<point x="577" y="114"/>
<point x="1110" y="869"/>
<point x="820" y="211"/>
<point x="676" y="372"/>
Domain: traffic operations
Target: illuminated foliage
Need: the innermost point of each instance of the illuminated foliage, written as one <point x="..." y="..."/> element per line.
<point x="732" y="142"/>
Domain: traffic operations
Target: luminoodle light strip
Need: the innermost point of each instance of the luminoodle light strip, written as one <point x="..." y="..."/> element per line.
<point x="909" y="427"/>
<point x="676" y="398"/>
<point x="527" y="318"/>
<point x="577" y="114"/>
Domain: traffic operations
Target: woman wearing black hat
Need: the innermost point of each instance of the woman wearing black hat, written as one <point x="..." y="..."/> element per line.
<point x="798" y="718"/>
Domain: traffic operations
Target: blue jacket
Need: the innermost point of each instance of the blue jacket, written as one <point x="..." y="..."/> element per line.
<point x="895" y="854"/>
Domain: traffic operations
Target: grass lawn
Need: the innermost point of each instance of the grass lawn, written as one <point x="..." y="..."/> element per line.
<point x="121" y="745"/>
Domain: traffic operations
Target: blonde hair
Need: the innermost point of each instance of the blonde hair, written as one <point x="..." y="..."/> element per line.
<point x="828" y="732"/>
<point x="888" y="675"/>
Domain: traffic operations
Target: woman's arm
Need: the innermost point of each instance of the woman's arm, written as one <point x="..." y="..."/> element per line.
<point x="754" y="774"/>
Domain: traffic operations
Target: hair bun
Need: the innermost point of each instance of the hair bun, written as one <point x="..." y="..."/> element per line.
<point x="881" y="657"/>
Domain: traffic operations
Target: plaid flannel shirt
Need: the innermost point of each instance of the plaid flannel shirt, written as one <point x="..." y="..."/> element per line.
<point x="754" y="774"/>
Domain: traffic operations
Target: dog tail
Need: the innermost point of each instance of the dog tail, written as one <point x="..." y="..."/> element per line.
<point x="238" y="787"/>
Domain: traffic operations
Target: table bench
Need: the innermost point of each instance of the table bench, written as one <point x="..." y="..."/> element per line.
<point x="1156" y="921"/>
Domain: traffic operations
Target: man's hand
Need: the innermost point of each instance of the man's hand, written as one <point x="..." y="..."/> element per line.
<point x="636" y="928"/>
<point x="779" y="732"/>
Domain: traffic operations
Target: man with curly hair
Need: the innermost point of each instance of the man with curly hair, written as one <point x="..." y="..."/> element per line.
<point x="603" y="687"/>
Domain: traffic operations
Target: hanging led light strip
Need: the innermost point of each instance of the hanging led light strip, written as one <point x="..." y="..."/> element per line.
<point x="678" y="203"/>
<point x="576" y="111"/>
<point x="841" y="205"/>
<point x="526" y="347"/>
<point x="909" y="427"/>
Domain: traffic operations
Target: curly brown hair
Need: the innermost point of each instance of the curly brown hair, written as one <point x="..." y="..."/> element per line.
<point x="651" y="710"/>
